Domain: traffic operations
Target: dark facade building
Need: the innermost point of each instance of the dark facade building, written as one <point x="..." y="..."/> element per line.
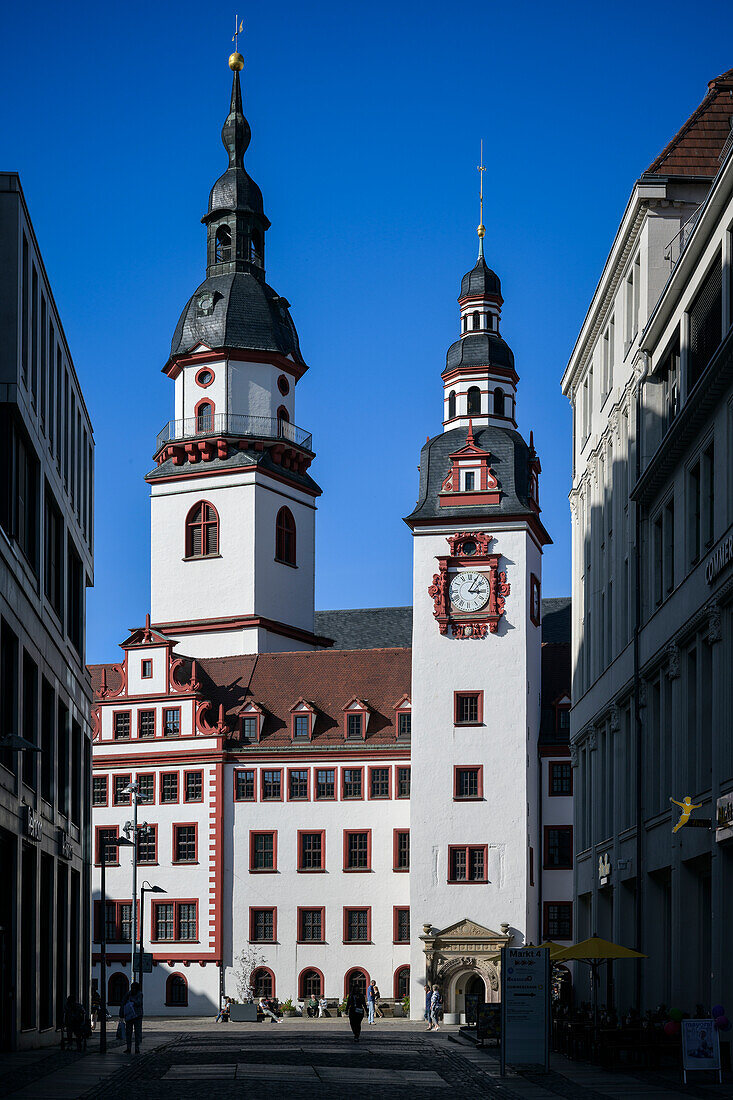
<point x="46" y="564"/>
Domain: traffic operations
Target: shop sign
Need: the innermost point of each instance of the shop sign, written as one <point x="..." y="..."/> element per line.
<point x="525" y="1006"/>
<point x="700" y="1046"/>
<point x="33" y="824"/>
<point x="604" y="868"/>
<point x="724" y="817"/>
<point x="66" y="850"/>
<point x="720" y="558"/>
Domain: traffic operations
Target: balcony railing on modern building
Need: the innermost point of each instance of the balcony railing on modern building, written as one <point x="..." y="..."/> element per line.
<point x="237" y="424"/>
<point x="679" y="242"/>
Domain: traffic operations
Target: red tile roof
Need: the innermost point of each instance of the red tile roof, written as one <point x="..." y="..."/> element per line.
<point x="695" y="148"/>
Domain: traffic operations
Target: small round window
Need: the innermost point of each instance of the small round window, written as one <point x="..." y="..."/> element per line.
<point x="205" y="377"/>
<point x="283" y="385"/>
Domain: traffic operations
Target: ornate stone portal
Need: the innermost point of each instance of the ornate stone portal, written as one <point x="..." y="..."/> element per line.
<point x="462" y="950"/>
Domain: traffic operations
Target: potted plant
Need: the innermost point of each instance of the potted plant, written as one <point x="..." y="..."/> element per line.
<point x="288" y="1008"/>
<point x="243" y="1009"/>
<point x="341" y="1008"/>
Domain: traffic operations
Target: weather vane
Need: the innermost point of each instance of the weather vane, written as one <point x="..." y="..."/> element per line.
<point x="236" y="61"/>
<point x="481" y="169"/>
<point x="237" y="31"/>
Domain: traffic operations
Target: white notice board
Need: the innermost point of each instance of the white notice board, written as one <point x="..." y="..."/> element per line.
<point x="525" y="1006"/>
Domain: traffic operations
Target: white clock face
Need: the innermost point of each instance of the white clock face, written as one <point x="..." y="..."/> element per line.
<point x="469" y="591"/>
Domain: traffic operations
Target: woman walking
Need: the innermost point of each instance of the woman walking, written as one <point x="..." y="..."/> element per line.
<point x="131" y="1011"/>
<point x="355" y="1007"/>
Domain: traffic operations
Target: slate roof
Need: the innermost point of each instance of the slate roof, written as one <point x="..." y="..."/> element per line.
<point x="479" y="349"/>
<point x="696" y="147"/>
<point x="235" y="460"/>
<point x="480" y="280"/>
<point x="556" y="621"/>
<point x="367" y="627"/>
<point x="556" y="680"/>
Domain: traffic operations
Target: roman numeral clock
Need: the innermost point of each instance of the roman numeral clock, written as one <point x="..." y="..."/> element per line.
<point x="469" y="589"/>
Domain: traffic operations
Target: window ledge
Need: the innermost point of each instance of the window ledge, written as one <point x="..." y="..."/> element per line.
<point x="311" y="870"/>
<point x="357" y="870"/>
<point x="401" y="870"/>
<point x="201" y="557"/>
<point x="183" y="862"/>
<point x="468" y="798"/>
<point x="468" y="882"/>
<point x="290" y="564"/>
<point x="308" y="943"/>
<point x="460" y="725"/>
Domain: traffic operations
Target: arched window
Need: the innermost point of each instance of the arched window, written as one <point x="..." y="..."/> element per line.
<point x="285" y="537"/>
<point x="474" y="401"/>
<point x="490" y="321"/>
<point x="356" y="980"/>
<point x="255" y="247"/>
<point x="465" y="322"/>
<point x="204" y="416"/>
<point x="202" y="531"/>
<point x="310" y="984"/>
<point x="401" y="982"/>
<point x="476" y="319"/>
<point x="117" y="988"/>
<point x="283" y="414"/>
<point x="263" y="982"/>
<point x="451" y="404"/>
<point x="223" y="245"/>
<point x="499" y="404"/>
<point x="176" y="991"/>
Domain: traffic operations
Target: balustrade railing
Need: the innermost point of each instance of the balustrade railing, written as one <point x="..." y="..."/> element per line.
<point x="238" y="424"/>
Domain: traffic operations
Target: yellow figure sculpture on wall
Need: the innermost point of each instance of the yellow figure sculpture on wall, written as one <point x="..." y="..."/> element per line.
<point x="687" y="806"/>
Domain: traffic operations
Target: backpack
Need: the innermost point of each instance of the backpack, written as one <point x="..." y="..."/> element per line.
<point x="129" y="1011"/>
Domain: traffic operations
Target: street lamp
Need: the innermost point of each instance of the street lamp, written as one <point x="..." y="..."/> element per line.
<point x="131" y="826"/>
<point x="111" y="842"/>
<point x="145" y="888"/>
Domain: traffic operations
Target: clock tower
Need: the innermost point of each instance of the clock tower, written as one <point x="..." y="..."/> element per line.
<point x="478" y="542"/>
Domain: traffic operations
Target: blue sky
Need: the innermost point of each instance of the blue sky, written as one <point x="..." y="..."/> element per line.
<point x="366" y="121"/>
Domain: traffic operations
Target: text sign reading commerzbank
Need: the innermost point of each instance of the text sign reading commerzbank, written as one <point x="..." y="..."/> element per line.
<point x="525" y="1006"/>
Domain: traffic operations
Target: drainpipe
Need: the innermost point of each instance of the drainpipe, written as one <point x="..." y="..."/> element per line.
<point x="644" y="356"/>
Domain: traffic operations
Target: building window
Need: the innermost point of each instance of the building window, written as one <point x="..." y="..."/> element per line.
<point x="379" y="782"/>
<point x="694" y="511"/>
<point x="105" y="837"/>
<point x="176" y="991"/>
<point x="311" y="925"/>
<point x="146" y="788"/>
<point x="535" y="600"/>
<point x="223" y="246"/>
<point x="558" y="920"/>
<point x="202" y="531"/>
<point x="283" y="417"/>
<point x="244" y="786"/>
<point x="121" y="725"/>
<point x="175" y="920"/>
<point x="193" y="790"/>
<point x="474" y="401"/>
<point x="469" y="707"/>
<point x="283" y="385"/>
<point x="117" y="988"/>
<point x="352" y="783"/>
<point x="468" y="481"/>
<point x="325" y="784"/>
<point x="251" y="728"/>
<point x="401" y="855"/>
<point x="559" y="847"/>
<point x="262" y="851"/>
<point x="669" y="374"/>
<point x="708" y="484"/>
<point x="301" y="726"/>
<point x="311" y="851"/>
<point x="404" y="724"/>
<point x="663" y="552"/>
<point x="204" y="416"/>
<point x="705" y="323"/>
<point x="184" y="844"/>
<point x="146" y="724"/>
<point x="357" y="925"/>
<point x="469" y="782"/>
<point x="310" y="984"/>
<point x="99" y="790"/>
<point x="356" y="981"/>
<point x="117" y="924"/>
<point x="172" y="722"/>
<point x="169" y="787"/>
<point x="468" y="864"/>
<point x="561" y="777"/>
<point x="562" y="719"/>
<point x="147" y="844"/>
<point x="271" y="785"/>
<point x="121" y="796"/>
<point x="401" y="932"/>
<point x="354" y="727"/>
<point x="402" y="983"/>
<point x="25" y="520"/>
<point x="499" y="402"/>
<point x="476" y="320"/>
<point x="452" y="405"/>
<point x="262" y="925"/>
<point x="404" y="776"/>
<point x="146" y="670"/>
<point x="298" y="784"/>
<point x="285" y="537"/>
<point x="263" y="983"/>
<point x="54" y="564"/>
<point x="357" y="850"/>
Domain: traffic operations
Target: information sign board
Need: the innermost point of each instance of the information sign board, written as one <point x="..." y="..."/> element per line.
<point x="489" y="1023"/>
<point x="700" y="1046"/>
<point x="471" y="1003"/>
<point x="525" y="1006"/>
<point x="147" y="963"/>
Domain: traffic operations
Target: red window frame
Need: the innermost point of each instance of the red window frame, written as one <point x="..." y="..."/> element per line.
<point x="149" y="862"/>
<point x="184" y="825"/>
<point x="358" y="909"/>
<point x="307" y="795"/>
<point x="204" y="370"/>
<point x="457" y="768"/>
<point x="193" y="771"/>
<point x="121" y="714"/>
<point x="143" y="674"/>
<point x="457" y="697"/>
<point x="170" y="710"/>
<point x="253" y="910"/>
<point x="467" y="848"/>
<point x="169" y="801"/>
<point x="396" y="910"/>
<point x="408" y="767"/>
<point x="285" y="538"/>
<point x="308" y="715"/>
<point x="396" y="834"/>
<point x="116" y="904"/>
<point x="299" y="930"/>
<point x="351" y="797"/>
<point x="98" y="830"/>
<point x="126" y="778"/>
<point x="176" y="903"/>
<point x="361" y="715"/>
<point x="262" y="870"/>
<point x="357" y="870"/>
<point x="327" y="798"/>
<point x="546" y="848"/>
<point x="347" y="977"/>
<point x="145" y="775"/>
<point x="211" y="412"/>
<point x="302" y="991"/>
<point x="271" y="976"/>
<point x="550" y="768"/>
<point x="397" y="973"/>
<point x="203" y="524"/>
<point x="104" y="779"/>
<point x="238" y="771"/>
<point x="311" y="870"/>
<point x="263" y="771"/>
<point x="546" y="919"/>
<point x="147" y="737"/>
<point x="255" y="716"/>
<point x="177" y="977"/>
<point x="380" y="797"/>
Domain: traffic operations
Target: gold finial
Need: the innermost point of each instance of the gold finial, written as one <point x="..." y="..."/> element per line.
<point x="236" y="61"/>
<point x="481" y="169"/>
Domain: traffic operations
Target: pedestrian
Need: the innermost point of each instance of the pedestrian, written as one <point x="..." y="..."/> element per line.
<point x="428" y="998"/>
<point x="322" y="1006"/>
<point x="371" y="999"/>
<point x="224" y="1011"/>
<point x="75" y="1019"/>
<point x="355" y="1008"/>
<point x="312" y="1006"/>
<point x="266" y="1010"/>
<point x="377" y="1006"/>
<point x="436" y="1007"/>
<point x="131" y="1012"/>
<point x="96" y="1007"/>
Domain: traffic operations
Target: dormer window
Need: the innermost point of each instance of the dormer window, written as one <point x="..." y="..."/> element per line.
<point x="474" y="400"/>
<point x="252" y="719"/>
<point x="146" y="670"/>
<point x="356" y="717"/>
<point x="223" y="252"/>
<point x="302" y="718"/>
<point x="468" y="484"/>
<point x="451" y="404"/>
<point x="403" y="714"/>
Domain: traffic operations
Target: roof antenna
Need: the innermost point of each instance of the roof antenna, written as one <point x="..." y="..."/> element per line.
<point x="481" y="227"/>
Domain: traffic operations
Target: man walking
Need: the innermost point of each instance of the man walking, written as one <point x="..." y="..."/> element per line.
<point x="131" y="1012"/>
<point x="371" y="999"/>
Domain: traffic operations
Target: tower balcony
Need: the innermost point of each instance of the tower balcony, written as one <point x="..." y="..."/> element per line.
<point x="238" y="425"/>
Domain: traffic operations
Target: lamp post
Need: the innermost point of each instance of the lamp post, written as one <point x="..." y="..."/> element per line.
<point x="131" y="827"/>
<point x="145" y="888"/>
<point x="120" y="842"/>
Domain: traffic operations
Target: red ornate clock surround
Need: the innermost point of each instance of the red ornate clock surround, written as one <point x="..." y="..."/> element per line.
<point x="469" y="548"/>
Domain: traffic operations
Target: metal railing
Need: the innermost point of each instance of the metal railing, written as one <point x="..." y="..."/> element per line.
<point x="259" y="427"/>
<point x="677" y="245"/>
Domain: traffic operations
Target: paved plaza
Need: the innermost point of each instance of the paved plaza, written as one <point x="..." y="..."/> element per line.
<point x="200" y="1060"/>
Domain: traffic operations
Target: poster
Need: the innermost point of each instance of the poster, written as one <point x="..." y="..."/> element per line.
<point x="700" y="1045"/>
<point x="525" y="1006"/>
<point x="471" y="1003"/>
<point x="489" y="1022"/>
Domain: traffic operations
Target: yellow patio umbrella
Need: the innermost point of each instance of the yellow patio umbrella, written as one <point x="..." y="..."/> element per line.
<point x="554" y="947"/>
<point x="594" y="951"/>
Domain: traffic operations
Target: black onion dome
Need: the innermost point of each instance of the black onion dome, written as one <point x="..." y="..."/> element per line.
<point x="236" y="190"/>
<point x="479" y="349"/>
<point x="237" y="310"/>
<point x="480" y="281"/>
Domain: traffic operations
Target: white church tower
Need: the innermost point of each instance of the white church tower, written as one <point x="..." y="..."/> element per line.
<point x="476" y="653"/>
<point x="232" y="503"/>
